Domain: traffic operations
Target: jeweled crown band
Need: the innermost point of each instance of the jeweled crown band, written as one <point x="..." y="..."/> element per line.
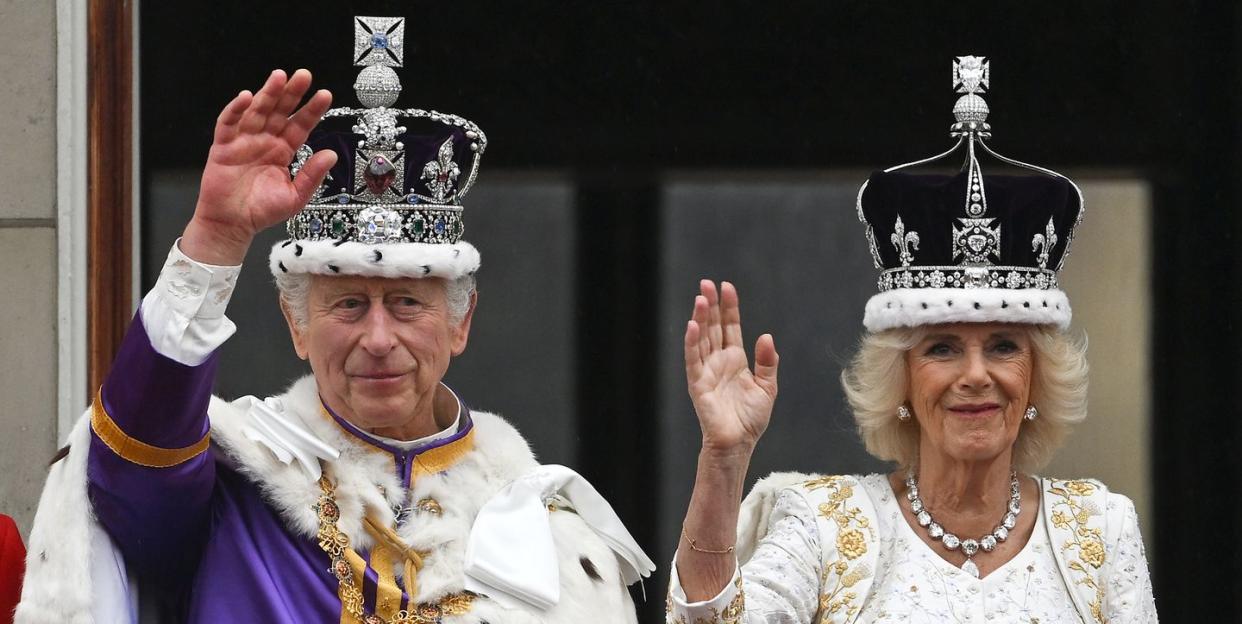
<point x="1004" y="277"/>
<point x="378" y="224"/>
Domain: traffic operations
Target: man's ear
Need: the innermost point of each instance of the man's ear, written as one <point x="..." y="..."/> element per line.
<point x="461" y="333"/>
<point x="298" y="334"/>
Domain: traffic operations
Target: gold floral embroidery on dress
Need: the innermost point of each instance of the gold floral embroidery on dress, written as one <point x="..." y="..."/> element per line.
<point x="737" y="606"/>
<point x="336" y="543"/>
<point x="836" y="584"/>
<point x="732" y="613"/>
<point x="1072" y="510"/>
<point x="668" y="609"/>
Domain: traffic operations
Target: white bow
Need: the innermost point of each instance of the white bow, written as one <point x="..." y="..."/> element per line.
<point x="511" y="557"/>
<point x="286" y="439"/>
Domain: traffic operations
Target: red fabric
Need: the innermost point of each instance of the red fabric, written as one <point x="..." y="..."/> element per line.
<point x="12" y="568"/>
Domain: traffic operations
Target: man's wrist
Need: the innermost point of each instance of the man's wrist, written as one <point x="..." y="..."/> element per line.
<point x="211" y="243"/>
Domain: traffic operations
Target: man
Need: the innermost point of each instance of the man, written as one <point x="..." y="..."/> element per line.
<point x="367" y="492"/>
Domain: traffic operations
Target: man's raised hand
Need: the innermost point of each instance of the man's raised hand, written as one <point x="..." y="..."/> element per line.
<point x="246" y="186"/>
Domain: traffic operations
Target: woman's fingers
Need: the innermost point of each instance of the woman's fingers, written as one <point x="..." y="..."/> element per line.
<point x="700" y="317"/>
<point x="766" y="363"/>
<point x="714" y="334"/>
<point x="694" y="359"/>
<point x="718" y="318"/>
<point x="730" y="316"/>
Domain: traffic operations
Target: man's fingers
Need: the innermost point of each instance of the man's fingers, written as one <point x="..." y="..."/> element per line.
<point x="766" y="363"/>
<point x="298" y="83"/>
<point x="265" y="100"/>
<point x="232" y="112"/>
<point x="226" y="123"/>
<point x="730" y="315"/>
<point x="293" y="91"/>
<point x="307" y="117"/>
<point x="311" y="176"/>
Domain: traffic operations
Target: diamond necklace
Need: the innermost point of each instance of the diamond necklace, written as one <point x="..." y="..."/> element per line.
<point x="970" y="546"/>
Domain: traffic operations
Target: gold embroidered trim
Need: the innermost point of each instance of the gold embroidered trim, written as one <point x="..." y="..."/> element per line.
<point x="345" y="565"/>
<point x="441" y="458"/>
<point x="136" y="451"/>
<point x="428" y="462"/>
<point x="1072" y="511"/>
<point x="855" y="531"/>
<point x="731" y="615"/>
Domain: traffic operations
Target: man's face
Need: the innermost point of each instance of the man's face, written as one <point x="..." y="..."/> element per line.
<point x="379" y="347"/>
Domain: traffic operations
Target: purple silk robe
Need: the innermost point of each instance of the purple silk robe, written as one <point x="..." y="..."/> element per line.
<point x="202" y="528"/>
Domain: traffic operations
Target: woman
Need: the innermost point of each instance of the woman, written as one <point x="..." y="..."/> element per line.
<point x="968" y="380"/>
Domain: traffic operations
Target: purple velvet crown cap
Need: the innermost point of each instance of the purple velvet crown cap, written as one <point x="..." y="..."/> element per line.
<point x="933" y="207"/>
<point x="422" y="141"/>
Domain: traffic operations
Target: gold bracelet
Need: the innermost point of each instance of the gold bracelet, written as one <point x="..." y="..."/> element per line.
<point x="694" y="546"/>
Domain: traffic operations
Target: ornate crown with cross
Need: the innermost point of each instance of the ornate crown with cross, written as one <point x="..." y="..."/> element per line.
<point x="391" y="206"/>
<point x="969" y="247"/>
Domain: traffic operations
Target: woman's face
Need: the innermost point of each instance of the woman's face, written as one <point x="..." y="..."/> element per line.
<point x="969" y="387"/>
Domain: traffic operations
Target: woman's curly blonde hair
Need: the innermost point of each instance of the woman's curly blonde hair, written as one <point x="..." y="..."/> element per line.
<point x="877" y="382"/>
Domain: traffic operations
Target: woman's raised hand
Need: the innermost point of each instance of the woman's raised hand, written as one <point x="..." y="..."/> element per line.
<point x="733" y="402"/>
<point x="246" y="185"/>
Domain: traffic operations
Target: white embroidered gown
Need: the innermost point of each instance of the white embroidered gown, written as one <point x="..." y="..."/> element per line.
<point x="781" y="581"/>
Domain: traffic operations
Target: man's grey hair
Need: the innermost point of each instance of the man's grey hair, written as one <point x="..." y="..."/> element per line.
<point x="295" y="293"/>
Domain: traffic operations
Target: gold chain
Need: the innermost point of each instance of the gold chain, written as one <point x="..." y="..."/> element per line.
<point x="335" y="543"/>
<point x="695" y="546"/>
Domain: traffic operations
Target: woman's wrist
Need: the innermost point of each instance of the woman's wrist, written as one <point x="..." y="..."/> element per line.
<point x="736" y="454"/>
<point x="718" y="485"/>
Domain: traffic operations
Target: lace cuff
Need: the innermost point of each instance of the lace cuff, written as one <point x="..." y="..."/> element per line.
<point x="184" y="313"/>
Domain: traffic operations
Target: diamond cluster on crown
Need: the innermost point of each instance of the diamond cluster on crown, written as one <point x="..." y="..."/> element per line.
<point x="1006" y="277"/>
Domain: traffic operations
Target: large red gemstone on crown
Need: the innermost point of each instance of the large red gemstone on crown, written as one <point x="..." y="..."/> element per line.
<point x="379" y="175"/>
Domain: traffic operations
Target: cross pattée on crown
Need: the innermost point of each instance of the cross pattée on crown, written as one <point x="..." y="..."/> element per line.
<point x="971" y="74"/>
<point x="379" y="41"/>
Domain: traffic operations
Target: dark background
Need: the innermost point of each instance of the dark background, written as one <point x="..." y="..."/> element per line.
<point x="614" y="96"/>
